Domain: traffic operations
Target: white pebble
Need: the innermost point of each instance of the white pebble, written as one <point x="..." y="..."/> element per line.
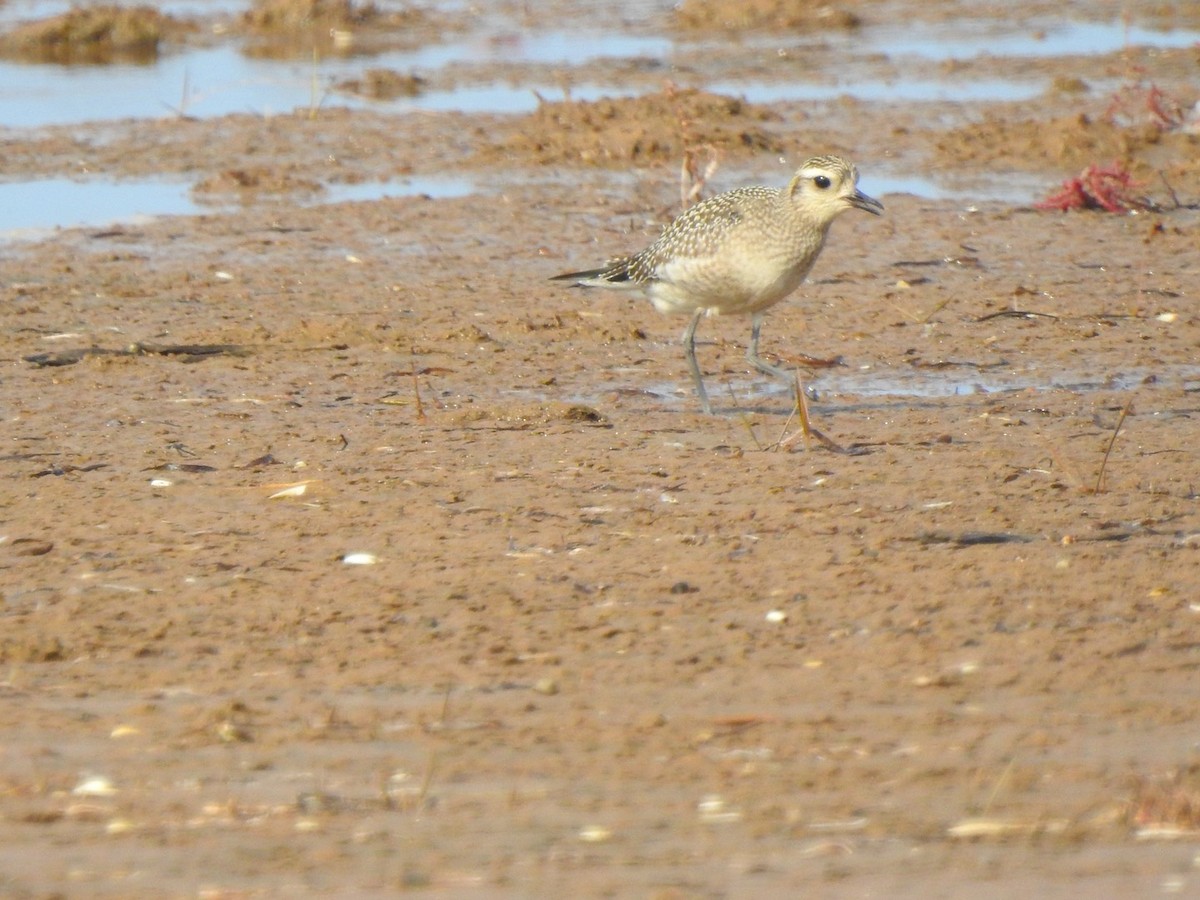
<point x="95" y="786"/>
<point x="295" y="490"/>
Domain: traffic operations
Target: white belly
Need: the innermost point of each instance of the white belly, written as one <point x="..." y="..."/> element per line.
<point x="685" y="285"/>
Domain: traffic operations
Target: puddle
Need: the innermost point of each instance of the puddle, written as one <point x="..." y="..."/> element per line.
<point x="404" y="187"/>
<point x="1006" y="188"/>
<point x="967" y="38"/>
<point x="217" y="81"/>
<point x="963" y="381"/>
<point x="33" y="207"/>
<point x="909" y="90"/>
<point x="30" y="209"/>
<point x="204" y="82"/>
<point x="839" y="387"/>
<point x="543" y="48"/>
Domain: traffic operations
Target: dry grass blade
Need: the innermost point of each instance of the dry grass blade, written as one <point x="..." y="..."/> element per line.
<point x="996" y="788"/>
<point x="783" y="435"/>
<point x="800" y="411"/>
<point x="745" y="419"/>
<point x="1108" y="450"/>
<point x="933" y="312"/>
<point x="417" y="391"/>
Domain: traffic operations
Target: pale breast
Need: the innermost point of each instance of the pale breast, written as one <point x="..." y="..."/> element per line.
<point x="729" y="283"/>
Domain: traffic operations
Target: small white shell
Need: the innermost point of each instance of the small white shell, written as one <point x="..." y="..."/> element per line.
<point x="713" y="810"/>
<point x="119" y="826"/>
<point x="292" y="490"/>
<point x="360" y="559"/>
<point x="95" y="786"/>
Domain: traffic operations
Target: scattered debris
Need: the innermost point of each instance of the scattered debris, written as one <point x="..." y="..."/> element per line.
<point x="383" y="84"/>
<point x="299" y="489"/>
<point x="977" y="828"/>
<point x="188" y="352"/>
<point x="973" y="538"/>
<point x="1167" y="808"/>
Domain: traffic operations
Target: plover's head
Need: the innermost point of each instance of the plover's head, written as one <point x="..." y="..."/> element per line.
<point x="827" y="186"/>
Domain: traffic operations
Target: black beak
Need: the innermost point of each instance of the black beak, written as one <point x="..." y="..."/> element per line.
<point x="859" y="200"/>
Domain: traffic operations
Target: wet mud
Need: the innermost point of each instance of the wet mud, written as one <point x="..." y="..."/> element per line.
<point x="343" y="553"/>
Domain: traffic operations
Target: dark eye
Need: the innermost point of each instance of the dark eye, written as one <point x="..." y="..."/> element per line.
<point x="822" y="181"/>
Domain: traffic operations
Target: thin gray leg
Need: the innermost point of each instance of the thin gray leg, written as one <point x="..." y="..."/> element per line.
<point x="689" y="350"/>
<point x="761" y="364"/>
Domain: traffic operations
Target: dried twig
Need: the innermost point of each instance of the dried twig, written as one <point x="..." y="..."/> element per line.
<point x="1170" y="190"/>
<point x="1108" y="450"/>
<point x="417" y="390"/>
<point x="806" y="431"/>
<point x="744" y="418"/>
<point x="692" y="180"/>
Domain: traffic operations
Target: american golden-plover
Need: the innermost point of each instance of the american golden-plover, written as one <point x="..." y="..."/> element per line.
<point x="738" y="253"/>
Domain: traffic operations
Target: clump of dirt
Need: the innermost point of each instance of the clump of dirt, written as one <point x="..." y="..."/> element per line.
<point x="1068" y="144"/>
<point x="286" y="28"/>
<point x="297" y="15"/>
<point x="383" y="84"/>
<point x="637" y="130"/>
<point x="97" y="34"/>
<point x="743" y="15"/>
<point x="1170" y="15"/>
<point x="1171" y="802"/>
<point x="251" y="184"/>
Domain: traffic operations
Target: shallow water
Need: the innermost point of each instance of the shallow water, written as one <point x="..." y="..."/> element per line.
<point x="29" y="209"/>
<point x="216" y="81"/>
<point x="964" y="380"/>
<point x="967" y="39"/>
<point x="844" y="386"/>
<point x="914" y="90"/>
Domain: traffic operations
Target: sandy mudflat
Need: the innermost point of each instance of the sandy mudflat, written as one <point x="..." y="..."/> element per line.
<point x="605" y="645"/>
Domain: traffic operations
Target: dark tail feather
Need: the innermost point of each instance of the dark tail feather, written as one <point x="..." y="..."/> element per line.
<point x="614" y="273"/>
<point x="578" y="276"/>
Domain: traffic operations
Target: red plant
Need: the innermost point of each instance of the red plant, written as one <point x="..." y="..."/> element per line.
<point x="1108" y="187"/>
<point x="1137" y="99"/>
<point x="1166" y="111"/>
